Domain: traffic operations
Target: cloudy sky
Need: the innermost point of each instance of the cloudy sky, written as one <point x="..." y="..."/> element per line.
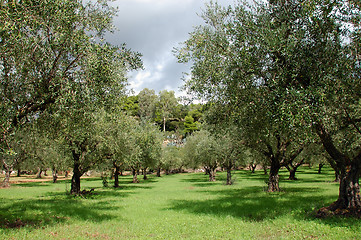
<point x="154" y="28"/>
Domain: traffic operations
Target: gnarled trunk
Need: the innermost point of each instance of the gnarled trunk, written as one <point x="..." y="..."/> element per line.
<point x="116" y="176"/>
<point x="349" y="191"/>
<point x="292" y="168"/>
<point x="135" y="175"/>
<point x="349" y="168"/>
<point x="158" y="172"/>
<point x="273" y="180"/>
<point x="320" y="168"/>
<point x="6" y="182"/>
<point x="292" y="174"/>
<point x="229" y="177"/>
<point x="40" y="171"/>
<point x="164" y="121"/>
<point x="55" y="175"/>
<point x="212" y="175"/>
<point x="145" y="174"/>
<point x="252" y="167"/>
<point x="75" y="182"/>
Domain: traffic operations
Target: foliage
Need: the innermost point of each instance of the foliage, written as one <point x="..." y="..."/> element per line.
<point x="189" y="125"/>
<point x="147" y="100"/>
<point x="53" y="59"/>
<point x="130" y="104"/>
<point x="149" y="139"/>
<point x="165" y="107"/>
<point x="297" y="60"/>
<point x="172" y="158"/>
<point x="203" y="149"/>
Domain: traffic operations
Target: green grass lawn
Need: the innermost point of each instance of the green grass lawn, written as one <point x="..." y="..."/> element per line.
<point x="183" y="206"/>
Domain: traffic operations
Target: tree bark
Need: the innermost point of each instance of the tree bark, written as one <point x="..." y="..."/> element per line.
<point x="55" y="175"/>
<point x="349" y="191"/>
<point x="75" y="180"/>
<point x="349" y="168"/>
<point x="39" y="173"/>
<point x="273" y="180"/>
<point x="145" y="174"/>
<point x="252" y="167"/>
<point x="292" y="174"/>
<point x="135" y="176"/>
<point x="293" y="169"/>
<point x="212" y="175"/>
<point x="116" y="176"/>
<point x="320" y="168"/>
<point x="158" y="172"/>
<point x="163" y="124"/>
<point x="6" y="182"/>
<point x="229" y="177"/>
<point x="206" y="171"/>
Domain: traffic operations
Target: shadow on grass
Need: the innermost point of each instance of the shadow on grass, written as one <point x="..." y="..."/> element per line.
<point x="253" y="204"/>
<point x="40" y="212"/>
<point x="53" y="207"/>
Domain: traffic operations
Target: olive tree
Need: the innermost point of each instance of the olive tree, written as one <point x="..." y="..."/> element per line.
<point x="48" y="49"/>
<point x="299" y="59"/>
<point x="202" y="149"/>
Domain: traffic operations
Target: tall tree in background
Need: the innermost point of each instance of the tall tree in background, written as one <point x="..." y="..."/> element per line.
<point x="147" y="100"/>
<point x="167" y="103"/>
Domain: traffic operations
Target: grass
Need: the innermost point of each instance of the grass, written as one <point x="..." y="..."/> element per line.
<point x="183" y="206"/>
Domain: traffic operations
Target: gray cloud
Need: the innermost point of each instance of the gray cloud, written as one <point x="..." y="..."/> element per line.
<point x="154" y="28"/>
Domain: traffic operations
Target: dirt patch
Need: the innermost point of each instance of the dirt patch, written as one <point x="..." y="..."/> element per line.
<point x="32" y="178"/>
<point x="326" y="212"/>
<point x="18" y="223"/>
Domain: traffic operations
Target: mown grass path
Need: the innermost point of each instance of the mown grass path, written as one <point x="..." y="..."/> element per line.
<point x="183" y="206"/>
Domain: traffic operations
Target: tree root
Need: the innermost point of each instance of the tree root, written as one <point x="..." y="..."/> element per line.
<point x="335" y="210"/>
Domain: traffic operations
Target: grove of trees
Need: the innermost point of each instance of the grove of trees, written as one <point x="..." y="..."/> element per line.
<point x="279" y="81"/>
<point x="288" y="73"/>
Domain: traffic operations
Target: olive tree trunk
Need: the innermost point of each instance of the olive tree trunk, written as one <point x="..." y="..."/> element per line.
<point x="158" y="172"/>
<point x="349" y="191"/>
<point x="229" y="177"/>
<point x="145" y="177"/>
<point x="212" y="174"/>
<point x="116" y="176"/>
<point x="75" y="182"/>
<point x="349" y="169"/>
<point x="135" y="175"/>
<point x="6" y="182"/>
<point x="55" y="175"/>
<point x="320" y="165"/>
<point x="273" y="180"/>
